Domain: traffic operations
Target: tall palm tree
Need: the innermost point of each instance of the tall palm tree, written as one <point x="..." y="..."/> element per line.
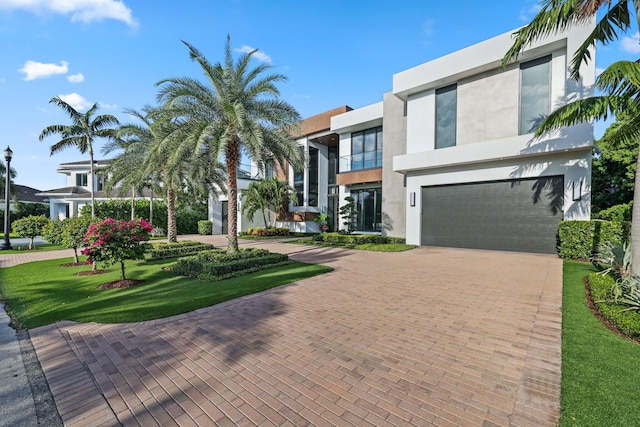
<point x="619" y="83"/>
<point x="237" y="110"/>
<point x="81" y="133"/>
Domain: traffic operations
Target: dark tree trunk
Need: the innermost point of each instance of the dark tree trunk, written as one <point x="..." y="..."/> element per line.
<point x="233" y="157"/>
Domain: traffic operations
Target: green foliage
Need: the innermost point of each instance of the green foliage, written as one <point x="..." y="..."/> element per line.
<point x="268" y="232"/>
<point x="73" y="232"/>
<point x="267" y="195"/>
<point x="357" y="239"/>
<point x="617" y="213"/>
<point x="120" y="210"/>
<point x="30" y="227"/>
<point x="613" y="172"/>
<point x="205" y="227"/>
<point x="581" y="239"/>
<point x="52" y="232"/>
<point x="218" y="264"/>
<point x="602" y="292"/>
<point x="175" y="249"/>
<point x="112" y="241"/>
<point x="29" y="209"/>
<point x="347" y="212"/>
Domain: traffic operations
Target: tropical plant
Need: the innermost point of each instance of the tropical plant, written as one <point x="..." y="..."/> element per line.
<point x="619" y="83"/>
<point x="347" y="213"/>
<point x="267" y="195"/>
<point x="280" y="194"/>
<point x="74" y="230"/>
<point x="237" y="110"/>
<point x="26" y="209"/>
<point x="321" y="220"/>
<point x="52" y="232"/>
<point x="112" y="241"/>
<point x="81" y="133"/>
<point x="30" y="227"/>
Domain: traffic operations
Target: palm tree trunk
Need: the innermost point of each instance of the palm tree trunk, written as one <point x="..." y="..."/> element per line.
<point x="93" y="210"/>
<point x="133" y="202"/>
<point x="635" y="224"/>
<point x="172" y="231"/>
<point x="232" y="157"/>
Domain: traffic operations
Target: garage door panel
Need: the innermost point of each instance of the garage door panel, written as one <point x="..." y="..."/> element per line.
<point x="515" y="215"/>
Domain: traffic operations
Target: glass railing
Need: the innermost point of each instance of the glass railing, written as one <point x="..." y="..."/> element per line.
<point x="367" y="160"/>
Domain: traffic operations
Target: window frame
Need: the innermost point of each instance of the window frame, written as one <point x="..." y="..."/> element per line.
<point x="438" y="138"/>
<point x="546" y="59"/>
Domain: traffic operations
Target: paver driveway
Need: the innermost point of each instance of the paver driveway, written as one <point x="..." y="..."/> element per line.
<point x="431" y="336"/>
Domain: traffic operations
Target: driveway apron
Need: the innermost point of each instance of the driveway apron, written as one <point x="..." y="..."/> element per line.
<point x="433" y="336"/>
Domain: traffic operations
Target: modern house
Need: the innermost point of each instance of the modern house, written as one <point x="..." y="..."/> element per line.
<point x="68" y="201"/>
<point x="459" y="166"/>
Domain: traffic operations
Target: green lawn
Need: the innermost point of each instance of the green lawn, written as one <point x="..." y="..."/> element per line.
<point x="600" y="370"/>
<point x="22" y="248"/>
<point x="41" y="293"/>
<point x="376" y="247"/>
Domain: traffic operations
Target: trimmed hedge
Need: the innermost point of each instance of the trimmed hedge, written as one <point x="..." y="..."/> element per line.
<point x="177" y="249"/>
<point x="628" y="322"/>
<point x="205" y="227"/>
<point x="268" y="232"/>
<point x="217" y="264"/>
<point x="580" y="239"/>
<point x="356" y="239"/>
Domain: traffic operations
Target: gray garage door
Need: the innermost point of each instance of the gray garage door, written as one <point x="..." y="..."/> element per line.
<point x="514" y="215"/>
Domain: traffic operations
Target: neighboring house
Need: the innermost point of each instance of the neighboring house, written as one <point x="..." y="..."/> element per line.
<point x="459" y="165"/>
<point x="68" y="201"/>
<point x="25" y="194"/>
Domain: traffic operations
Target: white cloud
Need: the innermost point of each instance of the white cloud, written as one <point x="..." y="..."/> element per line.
<point x="631" y="44"/>
<point x="80" y="10"/>
<point x="527" y="14"/>
<point x="260" y="56"/>
<point x="76" y="101"/>
<point x="37" y="70"/>
<point x="75" y="78"/>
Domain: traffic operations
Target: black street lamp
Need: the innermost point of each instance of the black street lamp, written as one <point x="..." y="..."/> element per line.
<point x="7" y="207"/>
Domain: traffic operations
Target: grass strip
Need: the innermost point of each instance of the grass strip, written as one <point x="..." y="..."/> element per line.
<point x="600" y="374"/>
<point x="41" y="293"/>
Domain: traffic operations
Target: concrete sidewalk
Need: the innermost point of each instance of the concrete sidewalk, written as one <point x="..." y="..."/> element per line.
<point x="433" y="336"/>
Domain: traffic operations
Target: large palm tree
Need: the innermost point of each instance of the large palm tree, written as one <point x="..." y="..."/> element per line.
<point x="237" y="110"/>
<point x="81" y="133"/>
<point x="619" y="83"/>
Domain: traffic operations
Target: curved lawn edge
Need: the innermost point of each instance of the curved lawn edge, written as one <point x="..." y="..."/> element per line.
<point x="42" y="293"/>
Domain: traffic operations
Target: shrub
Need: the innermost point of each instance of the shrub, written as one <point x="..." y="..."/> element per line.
<point x="581" y="239"/>
<point x="357" y="239"/>
<point x="205" y="227"/>
<point x="113" y="241"/>
<point x="73" y="232"/>
<point x="30" y="227"/>
<point x="218" y="264"/>
<point x="30" y="209"/>
<point x="628" y="322"/>
<point x="52" y="232"/>
<point x="618" y="213"/>
<point x="175" y="249"/>
<point x="268" y="232"/>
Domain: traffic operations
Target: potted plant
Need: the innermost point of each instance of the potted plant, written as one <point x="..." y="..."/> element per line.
<point x="321" y="220"/>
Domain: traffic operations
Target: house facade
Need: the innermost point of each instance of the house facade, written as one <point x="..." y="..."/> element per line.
<point x="68" y="201"/>
<point x="448" y="157"/>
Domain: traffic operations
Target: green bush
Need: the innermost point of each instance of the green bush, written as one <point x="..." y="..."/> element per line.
<point x="581" y="239"/>
<point x="357" y="239"/>
<point x="628" y="322"/>
<point x="30" y="227"/>
<point x="176" y="249"/>
<point x="268" y="232"/>
<point x="218" y="264"/>
<point x="205" y="227"/>
<point x="618" y="213"/>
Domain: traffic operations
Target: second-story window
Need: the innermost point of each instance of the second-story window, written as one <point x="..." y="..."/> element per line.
<point x="535" y="93"/>
<point x="82" y="180"/>
<point x="366" y="149"/>
<point x="446" y="116"/>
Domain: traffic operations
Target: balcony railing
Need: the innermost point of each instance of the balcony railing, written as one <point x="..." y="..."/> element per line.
<point x="366" y="160"/>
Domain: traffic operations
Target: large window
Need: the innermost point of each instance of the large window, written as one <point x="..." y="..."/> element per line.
<point x="313" y="177"/>
<point x="366" y="149"/>
<point x="535" y="93"/>
<point x="446" y="106"/>
<point x="369" y="207"/>
<point x="82" y="180"/>
<point x="298" y="185"/>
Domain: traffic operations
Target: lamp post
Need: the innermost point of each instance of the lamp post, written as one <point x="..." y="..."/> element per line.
<point x="7" y="208"/>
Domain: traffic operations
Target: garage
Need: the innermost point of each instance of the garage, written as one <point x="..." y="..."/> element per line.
<point x="512" y="215"/>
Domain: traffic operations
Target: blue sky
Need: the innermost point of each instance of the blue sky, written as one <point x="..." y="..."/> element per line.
<point x="113" y="52"/>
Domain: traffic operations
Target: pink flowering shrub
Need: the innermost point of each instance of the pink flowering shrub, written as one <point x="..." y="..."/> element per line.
<point x="112" y="241"/>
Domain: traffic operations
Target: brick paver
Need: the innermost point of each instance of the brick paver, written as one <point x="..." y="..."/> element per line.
<point x="433" y="336"/>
